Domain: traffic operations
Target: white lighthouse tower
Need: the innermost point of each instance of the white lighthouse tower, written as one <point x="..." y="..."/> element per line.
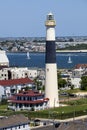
<point x="51" y="85"/>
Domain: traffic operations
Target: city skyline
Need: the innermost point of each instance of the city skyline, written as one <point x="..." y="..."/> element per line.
<point x="24" y="18"/>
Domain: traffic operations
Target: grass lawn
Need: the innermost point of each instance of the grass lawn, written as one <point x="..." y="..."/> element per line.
<point x="57" y="113"/>
<point x="73" y="90"/>
<point x="3" y="107"/>
<point x="73" y="108"/>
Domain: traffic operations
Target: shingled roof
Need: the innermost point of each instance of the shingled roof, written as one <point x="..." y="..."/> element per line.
<point x="80" y="66"/>
<point x="15" y="81"/>
<point x="13" y="120"/>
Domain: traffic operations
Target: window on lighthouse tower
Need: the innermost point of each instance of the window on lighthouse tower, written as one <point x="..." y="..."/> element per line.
<point x="50" y="17"/>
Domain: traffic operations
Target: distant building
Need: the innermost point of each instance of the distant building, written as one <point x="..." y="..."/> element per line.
<point x="76" y="77"/>
<point x="14" y="122"/>
<point x="16" y="73"/>
<point x="4" y="62"/>
<point x="10" y="87"/>
<point x="28" y="100"/>
<point x="83" y="66"/>
<point x="77" y="73"/>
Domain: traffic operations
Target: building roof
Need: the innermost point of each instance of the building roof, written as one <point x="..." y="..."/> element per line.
<point x="15" y="82"/>
<point x="29" y="93"/>
<point x="13" y="120"/>
<point x="80" y="66"/>
<point x="29" y="102"/>
<point x="75" y="125"/>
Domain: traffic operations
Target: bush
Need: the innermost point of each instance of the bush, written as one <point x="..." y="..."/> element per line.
<point x="3" y="102"/>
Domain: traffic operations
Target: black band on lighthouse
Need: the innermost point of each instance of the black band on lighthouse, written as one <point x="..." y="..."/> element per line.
<point x="50" y="52"/>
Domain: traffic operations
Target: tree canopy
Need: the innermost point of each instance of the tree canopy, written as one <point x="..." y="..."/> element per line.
<point x="84" y="82"/>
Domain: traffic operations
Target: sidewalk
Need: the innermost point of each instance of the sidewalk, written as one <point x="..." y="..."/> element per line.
<point x="65" y="120"/>
<point x="74" y="118"/>
<point x="50" y="122"/>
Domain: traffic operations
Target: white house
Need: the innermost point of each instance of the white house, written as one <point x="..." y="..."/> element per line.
<point x="76" y="77"/>
<point x="16" y="73"/>
<point x="10" y="87"/>
<point x="28" y="100"/>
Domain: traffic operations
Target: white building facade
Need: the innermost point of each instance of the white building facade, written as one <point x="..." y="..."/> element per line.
<point x="76" y="77"/>
<point x="28" y="100"/>
<point x="16" y="73"/>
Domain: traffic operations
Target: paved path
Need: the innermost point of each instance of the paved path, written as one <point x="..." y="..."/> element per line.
<point x="49" y="125"/>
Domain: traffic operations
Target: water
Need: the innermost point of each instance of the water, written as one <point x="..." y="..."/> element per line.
<point x="38" y="59"/>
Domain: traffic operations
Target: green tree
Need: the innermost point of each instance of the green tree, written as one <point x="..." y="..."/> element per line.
<point x="59" y="75"/>
<point x="72" y="87"/>
<point x="3" y="102"/>
<point x="38" y="83"/>
<point x="84" y="82"/>
<point x="26" y="88"/>
<point x="61" y="83"/>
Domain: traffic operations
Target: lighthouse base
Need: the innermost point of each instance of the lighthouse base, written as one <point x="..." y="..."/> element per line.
<point x="51" y="85"/>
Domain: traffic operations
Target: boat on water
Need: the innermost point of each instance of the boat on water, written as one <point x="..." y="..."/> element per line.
<point x="28" y="55"/>
<point x="69" y="60"/>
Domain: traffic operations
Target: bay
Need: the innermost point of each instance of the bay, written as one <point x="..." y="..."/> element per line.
<point x="38" y="59"/>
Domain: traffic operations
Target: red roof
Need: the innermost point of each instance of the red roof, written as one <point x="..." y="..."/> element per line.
<point x="81" y="65"/>
<point x="28" y="102"/>
<point x="15" y="81"/>
<point x="29" y="93"/>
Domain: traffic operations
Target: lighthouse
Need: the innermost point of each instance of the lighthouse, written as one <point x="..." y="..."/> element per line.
<point x="51" y="84"/>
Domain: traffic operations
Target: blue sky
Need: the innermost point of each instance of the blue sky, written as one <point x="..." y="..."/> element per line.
<point x="20" y="18"/>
